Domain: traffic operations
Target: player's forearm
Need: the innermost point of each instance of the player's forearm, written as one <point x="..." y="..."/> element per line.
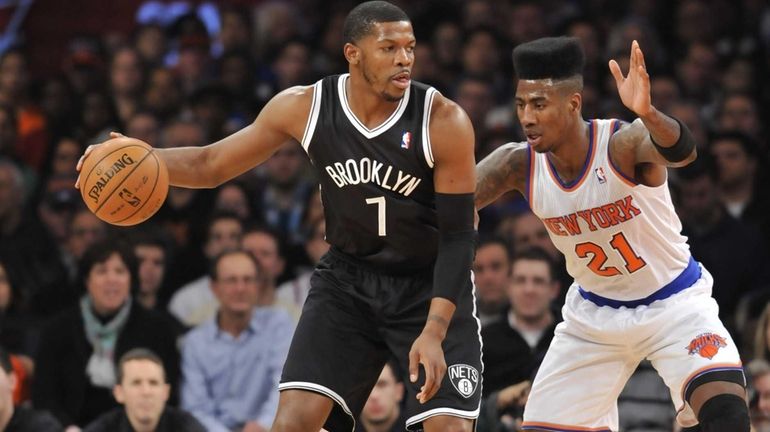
<point x="439" y="316"/>
<point x="188" y="167"/>
<point x="493" y="177"/>
<point x="663" y="130"/>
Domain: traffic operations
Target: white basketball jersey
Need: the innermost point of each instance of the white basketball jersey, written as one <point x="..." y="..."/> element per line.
<point x="621" y="240"/>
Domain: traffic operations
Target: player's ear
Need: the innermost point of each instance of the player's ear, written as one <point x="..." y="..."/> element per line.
<point x="576" y="102"/>
<point x="352" y="53"/>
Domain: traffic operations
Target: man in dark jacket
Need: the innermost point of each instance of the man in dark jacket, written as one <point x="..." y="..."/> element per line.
<point x="19" y="419"/>
<point x="143" y="391"/>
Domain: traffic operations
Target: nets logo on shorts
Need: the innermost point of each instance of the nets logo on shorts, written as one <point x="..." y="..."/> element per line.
<point x="706" y="345"/>
<point x="464" y="378"/>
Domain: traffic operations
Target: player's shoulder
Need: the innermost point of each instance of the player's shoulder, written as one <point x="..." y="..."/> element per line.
<point x="628" y="134"/>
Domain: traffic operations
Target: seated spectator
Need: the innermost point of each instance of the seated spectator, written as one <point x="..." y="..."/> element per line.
<point x="16" y="334"/>
<point x="759" y="403"/>
<point x="266" y="247"/>
<point x="143" y="391"/>
<point x="515" y="345"/>
<point x="19" y="419"/>
<point x="75" y="362"/>
<point x="382" y="411"/>
<point x="291" y="295"/>
<point x="492" y="275"/>
<point x="195" y="303"/>
<point x="152" y="255"/>
<point x="232" y="363"/>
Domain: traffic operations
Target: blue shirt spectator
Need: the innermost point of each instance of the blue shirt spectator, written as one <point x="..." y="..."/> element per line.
<point x="231" y="374"/>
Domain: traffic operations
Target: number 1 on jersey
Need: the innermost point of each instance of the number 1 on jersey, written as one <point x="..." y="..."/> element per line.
<point x="380" y="201"/>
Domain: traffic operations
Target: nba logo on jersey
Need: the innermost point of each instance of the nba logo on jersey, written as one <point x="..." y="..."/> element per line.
<point x="406" y="140"/>
<point x="600" y="175"/>
<point x="464" y="378"/>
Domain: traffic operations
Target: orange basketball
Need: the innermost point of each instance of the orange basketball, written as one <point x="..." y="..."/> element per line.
<point x="123" y="181"/>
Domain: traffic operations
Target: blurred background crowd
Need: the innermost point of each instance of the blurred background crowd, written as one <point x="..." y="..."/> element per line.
<point x="79" y="297"/>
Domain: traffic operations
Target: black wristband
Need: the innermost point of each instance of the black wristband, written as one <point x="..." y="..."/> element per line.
<point x="683" y="147"/>
<point x="457" y="245"/>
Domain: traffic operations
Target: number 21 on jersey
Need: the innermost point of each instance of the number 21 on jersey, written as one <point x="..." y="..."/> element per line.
<point x="633" y="262"/>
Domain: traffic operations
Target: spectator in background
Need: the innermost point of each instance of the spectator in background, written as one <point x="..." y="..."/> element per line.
<point x="18" y="418"/>
<point x="711" y="231"/>
<point x="697" y="72"/>
<point x="163" y="96"/>
<point x="526" y="22"/>
<point x="210" y="107"/>
<point x="236" y="31"/>
<point x="152" y="258"/>
<point x="64" y="158"/>
<point x="26" y="247"/>
<point x="195" y="302"/>
<point x="126" y="82"/>
<point x="143" y="390"/>
<point x="58" y="101"/>
<point x="232" y="363"/>
<point x="285" y="192"/>
<point x="689" y="114"/>
<point x="525" y="231"/>
<point x="739" y="112"/>
<point x="84" y="230"/>
<point x="150" y="43"/>
<point x="265" y="246"/>
<point x="18" y="331"/>
<point x="98" y="118"/>
<point x="291" y="295"/>
<point x="759" y="404"/>
<point x="291" y="65"/>
<point x="492" y="275"/>
<point x="233" y="197"/>
<point x="515" y="345"/>
<point x="476" y="96"/>
<point x="738" y="166"/>
<point x="145" y="126"/>
<point x="382" y="411"/>
<point x="75" y="362"/>
<point x="761" y="342"/>
<point x="31" y="130"/>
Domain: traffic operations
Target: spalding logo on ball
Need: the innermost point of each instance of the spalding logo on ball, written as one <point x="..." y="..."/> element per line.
<point x="123" y="181"/>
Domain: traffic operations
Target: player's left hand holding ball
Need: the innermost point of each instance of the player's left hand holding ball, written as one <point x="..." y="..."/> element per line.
<point x="122" y="181"/>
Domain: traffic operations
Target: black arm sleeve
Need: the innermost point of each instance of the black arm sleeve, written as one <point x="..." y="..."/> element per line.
<point x="683" y="147"/>
<point x="456" y="247"/>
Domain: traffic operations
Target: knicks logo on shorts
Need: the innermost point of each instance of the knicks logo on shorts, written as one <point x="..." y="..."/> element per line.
<point x="706" y="345"/>
<point x="464" y="378"/>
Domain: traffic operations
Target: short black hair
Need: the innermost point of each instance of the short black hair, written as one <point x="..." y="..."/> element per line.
<point x="138" y="354"/>
<point x="496" y="240"/>
<point x="552" y="57"/>
<point x="535" y="253"/>
<point x="101" y="251"/>
<point x="746" y="143"/>
<point x="360" y="20"/>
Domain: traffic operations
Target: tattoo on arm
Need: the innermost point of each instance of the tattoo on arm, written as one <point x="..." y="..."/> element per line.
<point x="498" y="173"/>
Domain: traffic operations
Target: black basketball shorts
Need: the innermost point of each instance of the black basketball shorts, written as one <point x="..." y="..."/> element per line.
<point x="355" y="319"/>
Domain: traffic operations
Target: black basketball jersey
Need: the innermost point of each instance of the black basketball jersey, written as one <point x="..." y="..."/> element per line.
<point x="376" y="184"/>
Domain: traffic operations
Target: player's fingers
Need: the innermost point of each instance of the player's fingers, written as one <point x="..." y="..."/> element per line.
<point x="640" y="56"/>
<point x="82" y="158"/>
<point x="114" y="134"/>
<point x="77" y="182"/>
<point x="616" y="73"/>
<point x="413" y="365"/>
<point x="427" y="389"/>
<point x="633" y="58"/>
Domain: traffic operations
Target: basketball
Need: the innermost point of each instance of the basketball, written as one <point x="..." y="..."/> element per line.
<point x="123" y="182"/>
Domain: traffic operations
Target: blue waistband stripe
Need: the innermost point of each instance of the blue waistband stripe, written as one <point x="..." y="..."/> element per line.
<point x="685" y="280"/>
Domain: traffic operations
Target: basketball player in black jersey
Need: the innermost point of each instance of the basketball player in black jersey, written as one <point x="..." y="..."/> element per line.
<point x="396" y="166"/>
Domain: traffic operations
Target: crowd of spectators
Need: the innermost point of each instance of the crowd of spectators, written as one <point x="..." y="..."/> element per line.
<point x="216" y="279"/>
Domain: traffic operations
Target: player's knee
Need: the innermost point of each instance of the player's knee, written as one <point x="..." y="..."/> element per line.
<point x="724" y="412"/>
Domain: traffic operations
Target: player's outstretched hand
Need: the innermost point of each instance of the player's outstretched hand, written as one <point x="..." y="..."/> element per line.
<point x="426" y="351"/>
<point x="634" y="89"/>
<point x="88" y="151"/>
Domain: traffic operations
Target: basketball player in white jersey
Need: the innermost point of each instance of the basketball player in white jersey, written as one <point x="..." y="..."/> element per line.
<point x="600" y="188"/>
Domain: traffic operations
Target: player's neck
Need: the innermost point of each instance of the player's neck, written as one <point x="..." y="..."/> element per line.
<point x="570" y="155"/>
<point x="368" y="106"/>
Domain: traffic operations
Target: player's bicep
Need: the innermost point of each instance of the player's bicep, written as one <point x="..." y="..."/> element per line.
<point x="633" y="141"/>
<point x="281" y="119"/>
<point x="452" y="143"/>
